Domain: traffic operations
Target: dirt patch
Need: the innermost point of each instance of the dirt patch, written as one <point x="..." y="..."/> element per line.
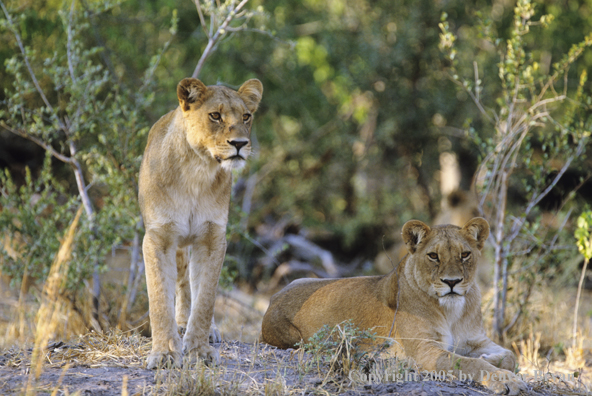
<point x="109" y="365"/>
<point x="104" y="381"/>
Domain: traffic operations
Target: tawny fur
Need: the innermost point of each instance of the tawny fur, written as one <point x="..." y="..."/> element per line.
<point x="438" y="324"/>
<point x="184" y="193"/>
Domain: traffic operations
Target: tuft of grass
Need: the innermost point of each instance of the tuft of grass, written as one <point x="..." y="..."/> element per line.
<point x="343" y="347"/>
<point x="276" y="387"/>
<point x="575" y="355"/>
<point x="187" y="381"/>
<point x="527" y="351"/>
<point x="113" y="348"/>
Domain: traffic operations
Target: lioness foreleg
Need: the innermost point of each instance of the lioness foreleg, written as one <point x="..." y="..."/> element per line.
<point x="159" y="257"/>
<point x="498" y="380"/>
<point x="204" y="271"/>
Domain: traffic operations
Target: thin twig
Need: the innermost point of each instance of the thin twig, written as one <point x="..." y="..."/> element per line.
<point x="260" y="246"/>
<point x="41" y="143"/>
<point x="202" y="20"/>
<point x="517" y="226"/>
<point x="212" y="40"/>
<point x="474" y="98"/>
<point x="80" y="182"/>
<point x="69" y="44"/>
<point x="476" y="69"/>
<point x="575" y="321"/>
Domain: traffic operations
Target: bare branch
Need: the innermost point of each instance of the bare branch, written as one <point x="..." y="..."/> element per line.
<point x="203" y="58"/>
<point x="202" y="20"/>
<point x="474" y="98"/>
<point x="39" y="142"/>
<point x="212" y="21"/>
<point x="214" y="39"/>
<point x="476" y="80"/>
<point x="545" y="102"/>
<point x="549" y="248"/>
<point x="68" y="160"/>
<point x="519" y="223"/>
<point x="521" y="306"/>
<point x="69" y="44"/>
<point x="580" y="284"/>
<point x="80" y="182"/>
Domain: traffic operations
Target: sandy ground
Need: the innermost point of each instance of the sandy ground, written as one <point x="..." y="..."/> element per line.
<point x="245" y="368"/>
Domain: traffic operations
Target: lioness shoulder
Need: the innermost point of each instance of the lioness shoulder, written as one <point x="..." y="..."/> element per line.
<point x="184" y="193"/>
<point x="435" y="297"/>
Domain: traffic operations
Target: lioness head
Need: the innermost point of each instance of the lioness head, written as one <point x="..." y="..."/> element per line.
<point x="444" y="258"/>
<point x="218" y="119"/>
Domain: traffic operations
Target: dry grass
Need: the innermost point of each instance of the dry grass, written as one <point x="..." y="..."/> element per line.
<point x="116" y="359"/>
<point x="548" y="327"/>
<point x="543" y="342"/>
<point x="245" y="369"/>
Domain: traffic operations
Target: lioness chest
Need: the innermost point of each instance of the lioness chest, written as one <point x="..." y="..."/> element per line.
<point x="192" y="195"/>
<point x="453" y="328"/>
<point x="202" y="202"/>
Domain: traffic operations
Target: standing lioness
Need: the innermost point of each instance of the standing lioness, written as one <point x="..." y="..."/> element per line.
<point x="432" y="293"/>
<point x="185" y="184"/>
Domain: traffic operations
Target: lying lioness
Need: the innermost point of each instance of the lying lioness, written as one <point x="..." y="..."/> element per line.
<point x="433" y="295"/>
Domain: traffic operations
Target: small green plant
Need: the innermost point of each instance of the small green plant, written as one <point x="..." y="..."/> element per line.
<point x="343" y="347"/>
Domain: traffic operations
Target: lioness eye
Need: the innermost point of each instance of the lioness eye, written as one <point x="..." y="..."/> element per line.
<point x="433" y="256"/>
<point x="465" y="254"/>
<point x="215" y="116"/>
<point x="246" y="117"/>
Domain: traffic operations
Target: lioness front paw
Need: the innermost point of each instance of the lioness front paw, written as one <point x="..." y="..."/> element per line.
<point x="163" y="359"/>
<point x="208" y="353"/>
<point x="215" y="336"/>
<point x="504" y="383"/>
<point x="504" y="360"/>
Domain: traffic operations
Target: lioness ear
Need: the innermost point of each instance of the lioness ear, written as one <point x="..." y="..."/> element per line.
<point x="478" y="229"/>
<point x="190" y="90"/>
<point x="251" y="92"/>
<point x="414" y="231"/>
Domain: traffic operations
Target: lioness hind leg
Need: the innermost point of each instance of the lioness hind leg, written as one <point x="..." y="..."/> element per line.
<point x="204" y="271"/>
<point x="183" y="290"/>
<point x="159" y="257"/>
<point x="278" y="330"/>
<point x="215" y="336"/>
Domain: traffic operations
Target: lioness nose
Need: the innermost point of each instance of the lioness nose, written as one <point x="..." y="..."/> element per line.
<point x="451" y="282"/>
<point x="238" y="143"/>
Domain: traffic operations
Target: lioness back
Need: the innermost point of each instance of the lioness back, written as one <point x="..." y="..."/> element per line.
<point x="306" y="305"/>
